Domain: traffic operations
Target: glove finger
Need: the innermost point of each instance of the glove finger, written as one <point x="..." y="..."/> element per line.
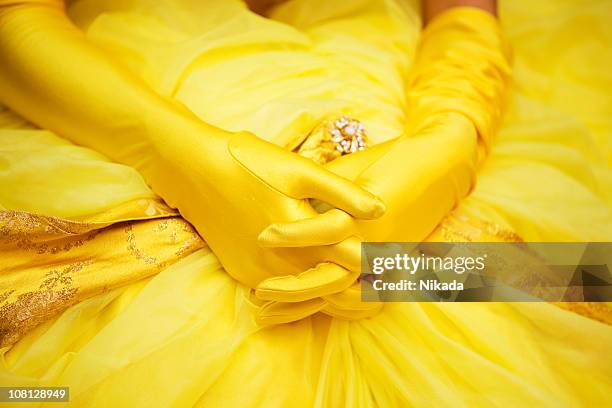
<point x="301" y="178"/>
<point x="324" y="185"/>
<point x="280" y="312"/>
<point x="328" y="228"/>
<point x="349" y="314"/>
<point x="324" y="279"/>
<point x="346" y="253"/>
<point x="348" y="304"/>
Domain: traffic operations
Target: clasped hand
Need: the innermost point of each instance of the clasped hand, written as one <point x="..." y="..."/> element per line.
<point x="420" y="177"/>
<point x="252" y="203"/>
<point x="233" y="187"/>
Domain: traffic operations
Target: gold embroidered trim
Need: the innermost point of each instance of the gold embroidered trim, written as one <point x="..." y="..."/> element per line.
<point x="14" y="224"/>
<point x="31" y="308"/>
<point x="133" y="248"/>
<point x="599" y="311"/>
<point x="455" y="228"/>
<point x="459" y="228"/>
<point x="49" y="263"/>
<point x="184" y="227"/>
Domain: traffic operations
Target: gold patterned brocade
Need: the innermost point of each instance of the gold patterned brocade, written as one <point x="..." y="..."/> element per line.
<point x="49" y="263"/>
<point x="457" y="227"/>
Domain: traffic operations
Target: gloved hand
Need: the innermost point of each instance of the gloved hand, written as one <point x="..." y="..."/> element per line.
<point x="230" y="186"/>
<point x="420" y="179"/>
<point x="455" y="96"/>
<point x="417" y="190"/>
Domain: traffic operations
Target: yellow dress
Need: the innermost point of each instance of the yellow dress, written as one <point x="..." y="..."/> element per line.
<point x="182" y="334"/>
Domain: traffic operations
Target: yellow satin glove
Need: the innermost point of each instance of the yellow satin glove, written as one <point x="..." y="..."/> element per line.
<point x="230" y="186"/>
<point x="417" y="190"/>
<point x="463" y="66"/>
<point x="456" y="92"/>
<point x="246" y="184"/>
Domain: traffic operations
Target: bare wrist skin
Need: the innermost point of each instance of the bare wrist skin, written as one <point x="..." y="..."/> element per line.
<point x="432" y="8"/>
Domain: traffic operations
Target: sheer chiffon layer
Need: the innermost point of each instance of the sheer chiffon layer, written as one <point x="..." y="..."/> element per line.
<point x="199" y="348"/>
<point x="186" y="336"/>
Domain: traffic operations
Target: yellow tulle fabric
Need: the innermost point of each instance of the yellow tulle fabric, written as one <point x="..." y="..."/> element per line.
<point x="185" y="336"/>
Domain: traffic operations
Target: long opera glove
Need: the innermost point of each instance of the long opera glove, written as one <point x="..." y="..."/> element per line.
<point x="456" y="92"/>
<point x="229" y="186"/>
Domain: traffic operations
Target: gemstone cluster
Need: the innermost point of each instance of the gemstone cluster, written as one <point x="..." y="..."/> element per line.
<point x="347" y="134"/>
